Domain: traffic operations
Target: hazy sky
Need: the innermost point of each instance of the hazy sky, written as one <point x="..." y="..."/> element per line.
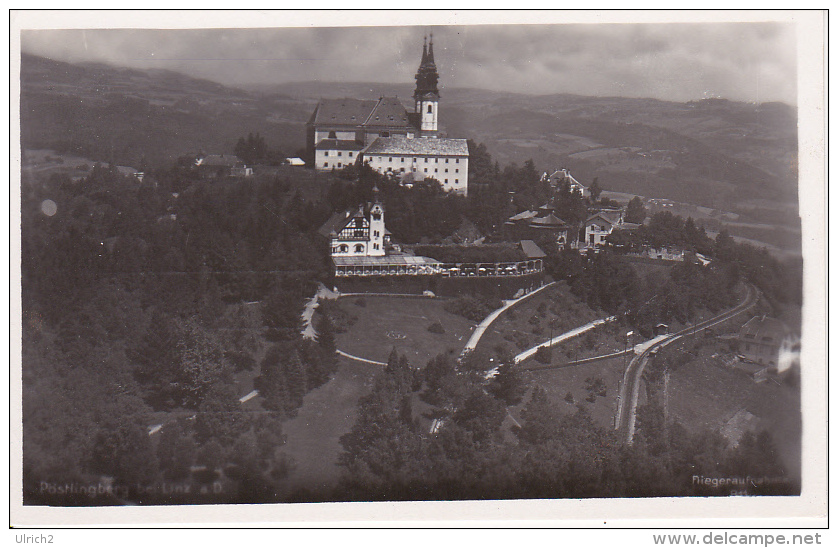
<point x="676" y="61"/>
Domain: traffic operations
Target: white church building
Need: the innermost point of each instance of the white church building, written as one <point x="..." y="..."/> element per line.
<point x="389" y="138"/>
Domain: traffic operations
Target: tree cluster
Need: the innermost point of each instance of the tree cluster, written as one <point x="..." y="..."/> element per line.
<point x="463" y="447"/>
<point x="253" y="150"/>
<point x="141" y="303"/>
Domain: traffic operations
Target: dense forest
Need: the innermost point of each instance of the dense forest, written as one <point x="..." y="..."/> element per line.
<point x="389" y="455"/>
<point x="143" y="302"/>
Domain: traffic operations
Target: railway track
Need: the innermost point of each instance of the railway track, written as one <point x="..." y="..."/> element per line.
<point x="624" y="421"/>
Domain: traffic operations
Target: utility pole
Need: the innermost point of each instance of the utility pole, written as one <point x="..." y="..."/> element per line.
<point x="625" y="349"/>
<point x="550" y="343"/>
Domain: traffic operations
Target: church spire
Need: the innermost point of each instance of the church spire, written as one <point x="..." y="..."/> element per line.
<point x="427" y="76"/>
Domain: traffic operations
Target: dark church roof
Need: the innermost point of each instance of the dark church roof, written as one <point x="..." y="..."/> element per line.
<point x="387" y="112"/>
<point x="342" y="112"/>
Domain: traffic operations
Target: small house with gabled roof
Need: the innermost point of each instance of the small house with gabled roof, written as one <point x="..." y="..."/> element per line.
<point x="601" y="224"/>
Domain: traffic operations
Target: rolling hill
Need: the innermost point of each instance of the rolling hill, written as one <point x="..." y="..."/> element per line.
<point x="714" y="153"/>
<point x="145" y="117"/>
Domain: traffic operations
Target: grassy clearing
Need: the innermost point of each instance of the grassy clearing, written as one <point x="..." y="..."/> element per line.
<point x="705" y="394"/>
<point x="401" y="322"/>
<point x="604" y="339"/>
<point x="573" y="380"/>
<point x="528" y="323"/>
<point x="313" y="436"/>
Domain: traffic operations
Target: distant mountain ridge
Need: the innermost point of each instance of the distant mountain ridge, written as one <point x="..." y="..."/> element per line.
<point x="712" y="152"/>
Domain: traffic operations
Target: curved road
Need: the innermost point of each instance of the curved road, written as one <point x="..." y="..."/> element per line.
<point x="526" y="354"/>
<point x="487" y="321"/>
<point x="627" y="406"/>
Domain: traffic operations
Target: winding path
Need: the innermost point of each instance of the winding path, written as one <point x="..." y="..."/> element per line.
<point x="487" y="321"/>
<point x="359" y="359"/>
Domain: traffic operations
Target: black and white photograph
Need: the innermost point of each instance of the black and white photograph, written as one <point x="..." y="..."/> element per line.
<point x="303" y="258"/>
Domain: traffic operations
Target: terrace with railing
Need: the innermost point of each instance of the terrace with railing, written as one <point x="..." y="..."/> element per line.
<point x="408" y="265"/>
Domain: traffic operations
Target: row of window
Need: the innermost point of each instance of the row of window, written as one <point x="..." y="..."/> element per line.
<point x="326" y="153"/>
<point x="401" y="170"/>
<point x="359" y="248"/>
<point x="333" y="134"/>
<point x="436" y="160"/>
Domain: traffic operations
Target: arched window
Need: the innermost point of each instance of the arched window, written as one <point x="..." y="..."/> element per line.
<point x="430" y="108"/>
<point x="359" y="248"/>
<point x="343" y="248"/>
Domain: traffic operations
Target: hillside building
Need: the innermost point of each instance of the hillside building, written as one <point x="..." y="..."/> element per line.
<point x="562" y="176"/>
<point x="601" y="224"/>
<point x="540" y="225"/>
<point x="222" y="165"/>
<point x="360" y="246"/>
<point x="388" y="137"/>
<point x="761" y="339"/>
<point x="357" y="232"/>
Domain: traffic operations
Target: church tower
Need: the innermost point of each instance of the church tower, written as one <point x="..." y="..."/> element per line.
<point x="426" y="95"/>
<point x="375" y="247"/>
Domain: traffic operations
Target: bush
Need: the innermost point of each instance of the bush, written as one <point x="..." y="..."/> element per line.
<point x="436" y="327"/>
<point x="340" y="318"/>
<point x="543" y="354"/>
<point x="241" y="361"/>
<point x="595" y="387"/>
<point x="471" y="307"/>
<point x="569" y="398"/>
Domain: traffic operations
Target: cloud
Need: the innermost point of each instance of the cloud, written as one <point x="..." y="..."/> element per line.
<point x="740" y="61"/>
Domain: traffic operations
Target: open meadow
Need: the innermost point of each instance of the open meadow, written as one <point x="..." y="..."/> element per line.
<point x="374" y="325"/>
<point x="593" y="386"/>
<point x="313" y="436"/>
<point x="703" y="393"/>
